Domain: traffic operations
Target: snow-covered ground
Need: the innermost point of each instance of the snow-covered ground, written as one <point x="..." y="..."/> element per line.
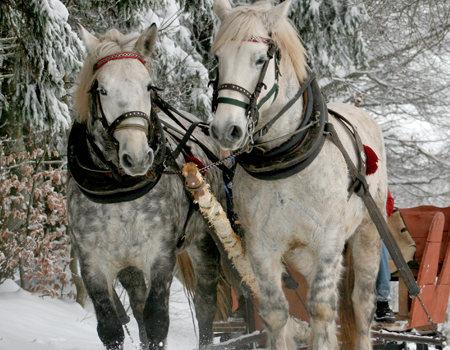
<point x="30" y="322"/>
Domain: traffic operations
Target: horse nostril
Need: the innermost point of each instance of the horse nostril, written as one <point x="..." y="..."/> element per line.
<point x="235" y="132"/>
<point x="127" y="161"/>
<point x="214" y="133"/>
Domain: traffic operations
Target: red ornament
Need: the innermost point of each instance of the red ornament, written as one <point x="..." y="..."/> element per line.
<point x="197" y="162"/>
<point x="371" y="160"/>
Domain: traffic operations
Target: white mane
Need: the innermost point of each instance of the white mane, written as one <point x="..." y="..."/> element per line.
<point x="249" y="20"/>
<point x="111" y="43"/>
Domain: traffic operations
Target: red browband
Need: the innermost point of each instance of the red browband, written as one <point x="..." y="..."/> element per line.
<point x="117" y="56"/>
<point x="258" y="39"/>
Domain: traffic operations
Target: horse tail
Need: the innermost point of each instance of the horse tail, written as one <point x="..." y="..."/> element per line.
<point x="347" y="318"/>
<point x="187" y="274"/>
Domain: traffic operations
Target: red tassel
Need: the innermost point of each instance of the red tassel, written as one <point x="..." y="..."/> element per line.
<point x="197" y="162"/>
<point x="371" y="160"/>
<point x="389" y="204"/>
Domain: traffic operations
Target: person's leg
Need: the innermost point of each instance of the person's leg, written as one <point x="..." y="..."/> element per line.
<point x="384" y="312"/>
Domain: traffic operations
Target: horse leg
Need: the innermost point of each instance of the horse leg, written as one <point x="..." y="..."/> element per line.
<point x="132" y="279"/>
<point x="156" y="310"/>
<point x="109" y="327"/>
<point x="323" y="297"/>
<point x="274" y="308"/>
<point x="366" y="245"/>
<point x="206" y="261"/>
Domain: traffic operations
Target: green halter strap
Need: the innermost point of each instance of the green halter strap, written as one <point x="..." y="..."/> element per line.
<point x="252" y="108"/>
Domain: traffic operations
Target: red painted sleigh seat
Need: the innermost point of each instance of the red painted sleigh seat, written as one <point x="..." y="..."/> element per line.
<point x="429" y="227"/>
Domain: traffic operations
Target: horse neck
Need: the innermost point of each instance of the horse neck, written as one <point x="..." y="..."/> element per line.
<point x="292" y="118"/>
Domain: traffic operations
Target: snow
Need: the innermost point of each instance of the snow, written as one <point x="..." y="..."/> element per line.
<point x="60" y="9"/>
<point x="30" y="322"/>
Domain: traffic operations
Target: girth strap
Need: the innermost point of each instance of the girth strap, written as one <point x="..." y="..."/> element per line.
<point x="361" y="188"/>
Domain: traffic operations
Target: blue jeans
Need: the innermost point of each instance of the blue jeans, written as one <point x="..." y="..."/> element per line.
<point x="384" y="276"/>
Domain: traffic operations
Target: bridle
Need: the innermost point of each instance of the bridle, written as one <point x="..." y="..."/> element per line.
<point x="117" y="123"/>
<point x="251" y="108"/>
<point x="153" y="130"/>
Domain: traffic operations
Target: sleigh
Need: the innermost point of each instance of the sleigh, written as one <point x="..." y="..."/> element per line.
<point x="428" y="231"/>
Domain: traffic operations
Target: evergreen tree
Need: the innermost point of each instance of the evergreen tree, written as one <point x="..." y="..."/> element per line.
<point x="41" y="52"/>
<point x="331" y="35"/>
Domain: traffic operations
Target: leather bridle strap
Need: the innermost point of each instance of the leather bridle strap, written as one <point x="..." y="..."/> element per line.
<point x="116" y="124"/>
<point x="261" y="132"/>
<point x="252" y="108"/>
<point x="118" y="56"/>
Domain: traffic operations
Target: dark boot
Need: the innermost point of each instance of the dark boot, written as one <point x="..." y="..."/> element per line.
<point x="384" y="313"/>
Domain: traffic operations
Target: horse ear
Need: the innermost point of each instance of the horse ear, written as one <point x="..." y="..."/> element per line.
<point x="222" y="8"/>
<point x="275" y="15"/>
<point x="147" y="41"/>
<point x="89" y="40"/>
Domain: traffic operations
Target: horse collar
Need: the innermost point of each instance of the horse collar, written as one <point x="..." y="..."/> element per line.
<point x="299" y="151"/>
<point x="105" y="186"/>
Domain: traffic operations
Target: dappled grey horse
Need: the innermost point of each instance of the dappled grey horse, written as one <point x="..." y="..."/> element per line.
<point x="291" y="188"/>
<point x="129" y="221"/>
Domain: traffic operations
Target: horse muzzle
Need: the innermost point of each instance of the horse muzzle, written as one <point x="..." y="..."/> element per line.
<point x="136" y="164"/>
<point x="229" y="137"/>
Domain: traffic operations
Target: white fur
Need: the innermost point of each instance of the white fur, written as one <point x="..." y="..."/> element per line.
<point x="307" y="218"/>
<point x="124" y="87"/>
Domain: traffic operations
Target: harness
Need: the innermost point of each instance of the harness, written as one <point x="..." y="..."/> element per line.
<point x="302" y="146"/>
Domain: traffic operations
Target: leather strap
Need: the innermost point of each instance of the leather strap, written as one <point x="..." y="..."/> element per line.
<point x="361" y="188"/>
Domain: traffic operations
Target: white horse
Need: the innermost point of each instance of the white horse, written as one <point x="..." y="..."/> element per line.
<point x="304" y="218"/>
<point x="127" y="223"/>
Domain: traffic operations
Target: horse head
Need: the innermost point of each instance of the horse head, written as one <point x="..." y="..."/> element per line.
<point x="114" y="97"/>
<point x="251" y="46"/>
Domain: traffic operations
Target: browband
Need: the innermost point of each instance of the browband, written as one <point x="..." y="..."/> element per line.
<point x="118" y="56"/>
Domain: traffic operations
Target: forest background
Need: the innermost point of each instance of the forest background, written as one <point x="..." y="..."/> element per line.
<point x="389" y="57"/>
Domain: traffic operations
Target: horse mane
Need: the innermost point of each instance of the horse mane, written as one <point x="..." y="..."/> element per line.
<point x="111" y="43"/>
<point x="248" y="20"/>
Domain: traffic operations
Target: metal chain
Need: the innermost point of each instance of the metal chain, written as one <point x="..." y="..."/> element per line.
<point x="206" y="168"/>
<point x="131" y="338"/>
<point x="426" y="312"/>
<point x="441" y="337"/>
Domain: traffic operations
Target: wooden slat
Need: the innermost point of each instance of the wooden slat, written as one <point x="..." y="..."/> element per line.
<point x="428" y="275"/>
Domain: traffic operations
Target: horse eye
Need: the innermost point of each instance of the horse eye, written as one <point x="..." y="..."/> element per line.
<point x="149" y="87"/>
<point x="216" y="58"/>
<point x="260" y="61"/>
<point x="102" y="91"/>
